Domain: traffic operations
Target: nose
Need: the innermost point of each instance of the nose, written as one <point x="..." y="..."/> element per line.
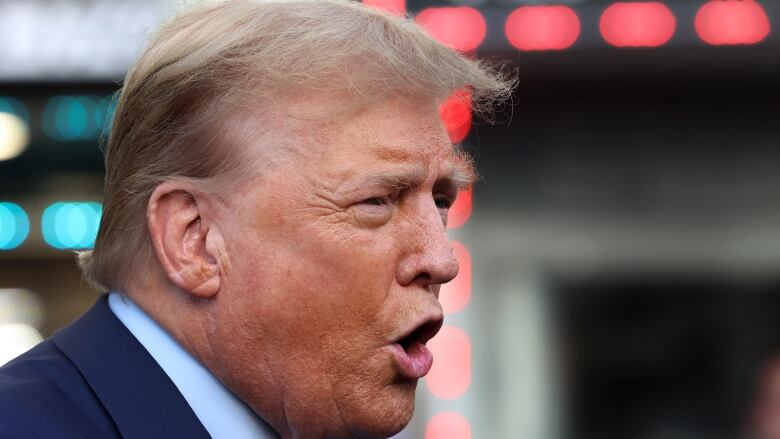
<point x="429" y="259"/>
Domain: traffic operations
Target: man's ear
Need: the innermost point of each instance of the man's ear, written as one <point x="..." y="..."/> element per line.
<point x="188" y="248"/>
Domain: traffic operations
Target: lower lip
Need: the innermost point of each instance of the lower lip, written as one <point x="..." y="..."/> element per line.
<point x="415" y="362"/>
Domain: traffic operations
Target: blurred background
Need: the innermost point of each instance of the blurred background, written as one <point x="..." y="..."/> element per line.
<point x="619" y="257"/>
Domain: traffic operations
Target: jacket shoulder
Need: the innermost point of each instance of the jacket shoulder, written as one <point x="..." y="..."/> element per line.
<point x="43" y="395"/>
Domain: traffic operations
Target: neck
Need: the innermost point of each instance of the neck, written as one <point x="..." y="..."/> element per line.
<point x="183" y="317"/>
<point x="192" y="322"/>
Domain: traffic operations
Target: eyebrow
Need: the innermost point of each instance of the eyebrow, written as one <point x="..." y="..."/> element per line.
<point x="461" y="170"/>
<point x="407" y="178"/>
<point x="458" y="170"/>
<point x="458" y="175"/>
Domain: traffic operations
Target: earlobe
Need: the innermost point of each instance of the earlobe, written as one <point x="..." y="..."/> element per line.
<point x="208" y="278"/>
<point x="187" y="248"/>
<point x="203" y="281"/>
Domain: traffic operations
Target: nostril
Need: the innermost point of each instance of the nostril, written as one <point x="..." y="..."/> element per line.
<point x="423" y="278"/>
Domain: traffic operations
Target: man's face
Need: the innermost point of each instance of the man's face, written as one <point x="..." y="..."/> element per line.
<point x="336" y="258"/>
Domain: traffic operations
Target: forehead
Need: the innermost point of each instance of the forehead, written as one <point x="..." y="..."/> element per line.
<point x="395" y="132"/>
<point x="401" y="140"/>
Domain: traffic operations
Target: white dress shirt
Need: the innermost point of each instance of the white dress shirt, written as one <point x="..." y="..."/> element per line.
<point x="217" y="408"/>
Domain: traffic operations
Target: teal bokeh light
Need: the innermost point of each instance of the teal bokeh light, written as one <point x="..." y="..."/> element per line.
<point x="104" y="113"/>
<point x="14" y="106"/>
<point x="14" y="226"/>
<point x="69" y="225"/>
<point x="69" y="118"/>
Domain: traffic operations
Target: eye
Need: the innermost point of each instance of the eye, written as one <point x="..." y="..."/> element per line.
<point x="376" y="205"/>
<point x="374" y="211"/>
<point x="443" y="202"/>
<point x="376" y="201"/>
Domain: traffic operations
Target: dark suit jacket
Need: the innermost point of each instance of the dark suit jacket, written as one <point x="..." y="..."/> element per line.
<point x="92" y="379"/>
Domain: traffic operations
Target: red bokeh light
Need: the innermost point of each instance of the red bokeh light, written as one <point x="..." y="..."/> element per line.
<point x="542" y="27"/>
<point x="732" y="22"/>
<point x="448" y="425"/>
<point x="460" y="211"/>
<point x="455" y="295"/>
<point x="637" y="24"/>
<point x="450" y="375"/>
<point x="460" y="28"/>
<point x="395" y="7"/>
<point x="455" y="114"/>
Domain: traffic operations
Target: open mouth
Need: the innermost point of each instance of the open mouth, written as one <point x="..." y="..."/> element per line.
<point x="421" y="334"/>
<point x="413" y="358"/>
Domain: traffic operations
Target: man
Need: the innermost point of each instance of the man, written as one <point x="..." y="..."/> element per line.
<point x="273" y="236"/>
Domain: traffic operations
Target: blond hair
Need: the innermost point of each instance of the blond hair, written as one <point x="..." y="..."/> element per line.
<point x="177" y="113"/>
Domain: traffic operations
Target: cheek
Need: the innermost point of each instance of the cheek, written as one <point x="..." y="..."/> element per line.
<point x="316" y="286"/>
<point x="315" y="302"/>
<point x="341" y="286"/>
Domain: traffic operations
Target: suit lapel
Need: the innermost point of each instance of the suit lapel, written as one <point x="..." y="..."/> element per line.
<point x="139" y="396"/>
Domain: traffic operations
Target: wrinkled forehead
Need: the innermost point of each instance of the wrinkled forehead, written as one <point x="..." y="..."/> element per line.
<point x="392" y="134"/>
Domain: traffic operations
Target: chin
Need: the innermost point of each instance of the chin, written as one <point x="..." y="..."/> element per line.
<point x="385" y="415"/>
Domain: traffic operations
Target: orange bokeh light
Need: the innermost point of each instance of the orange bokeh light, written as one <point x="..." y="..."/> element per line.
<point x="460" y="28"/>
<point x="455" y="295"/>
<point x="637" y="24"/>
<point x="542" y="27"/>
<point x="460" y="211"/>
<point x="729" y="22"/>
<point x="455" y="114"/>
<point x="448" y="425"/>
<point x="450" y="375"/>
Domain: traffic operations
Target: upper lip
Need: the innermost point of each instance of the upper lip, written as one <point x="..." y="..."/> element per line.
<point x="422" y="330"/>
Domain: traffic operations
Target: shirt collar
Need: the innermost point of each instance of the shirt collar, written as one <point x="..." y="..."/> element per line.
<point x="218" y="409"/>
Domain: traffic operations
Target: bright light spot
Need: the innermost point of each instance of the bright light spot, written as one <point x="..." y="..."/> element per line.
<point x="71" y="225"/>
<point x="448" y="425"/>
<point x="16" y="339"/>
<point x="450" y="375"/>
<point x="455" y="295"/>
<point x="459" y="28"/>
<point x="14" y="226"/>
<point x="20" y="312"/>
<point x="14" y="136"/>
<point x="721" y="22"/>
<point x="395" y="7"/>
<point x="637" y="24"/>
<point x="455" y="113"/>
<point x="542" y="27"/>
<point x="20" y="306"/>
